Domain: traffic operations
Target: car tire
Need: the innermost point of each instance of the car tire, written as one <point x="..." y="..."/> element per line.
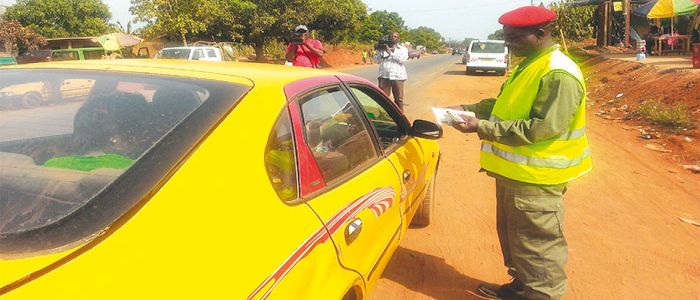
<point x="30" y="100"/>
<point x="426" y="210"/>
<point x="470" y="71"/>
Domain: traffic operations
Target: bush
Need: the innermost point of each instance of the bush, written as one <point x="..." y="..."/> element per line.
<point x="676" y="116"/>
<point x="275" y="50"/>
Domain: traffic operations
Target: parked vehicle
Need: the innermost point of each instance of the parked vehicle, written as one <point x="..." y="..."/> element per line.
<point x="434" y="52"/>
<point x="190" y="53"/>
<point x="486" y="56"/>
<point x="62" y="55"/>
<point x="7" y="59"/>
<point x="414" y="54"/>
<point x="34" y="57"/>
<point x="78" y="54"/>
<point x="35" y="93"/>
<point x="203" y="181"/>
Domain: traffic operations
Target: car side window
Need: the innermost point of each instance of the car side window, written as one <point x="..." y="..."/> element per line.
<point x="280" y="161"/>
<point x="335" y="133"/>
<point x="93" y="54"/>
<point x="198" y="54"/>
<point x="211" y="53"/>
<point x="385" y="126"/>
<point x="67" y="55"/>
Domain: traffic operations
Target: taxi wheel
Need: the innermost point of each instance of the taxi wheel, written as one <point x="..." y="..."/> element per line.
<point x="31" y="100"/>
<point x="426" y="211"/>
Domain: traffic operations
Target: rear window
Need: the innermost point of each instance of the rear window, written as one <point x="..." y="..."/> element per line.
<point x="488" y="47"/>
<point x="175" y="54"/>
<point x="70" y="166"/>
<point x="65" y="55"/>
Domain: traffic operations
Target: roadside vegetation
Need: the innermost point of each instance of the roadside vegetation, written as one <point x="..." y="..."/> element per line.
<point x="262" y="25"/>
<point x="674" y="116"/>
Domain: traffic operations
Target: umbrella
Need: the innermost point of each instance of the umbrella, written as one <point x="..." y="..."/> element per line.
<point x="666" y="8"/>
<point x="118" y="40"/>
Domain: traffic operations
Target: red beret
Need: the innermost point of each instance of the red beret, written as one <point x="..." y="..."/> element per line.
<point x="527" y="16"/>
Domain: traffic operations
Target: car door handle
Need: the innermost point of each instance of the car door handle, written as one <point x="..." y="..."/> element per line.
<point x="352" y="231"/>
<point x="406" y="176"/>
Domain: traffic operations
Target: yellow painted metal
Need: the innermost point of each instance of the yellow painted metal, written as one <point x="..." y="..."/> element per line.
<point x="213" y="229"/>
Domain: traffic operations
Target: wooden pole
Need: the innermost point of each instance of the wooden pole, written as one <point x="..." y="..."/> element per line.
<point x="606" y="22"/>
<point x="628" y="10"/>
<point x="563" y="41"/>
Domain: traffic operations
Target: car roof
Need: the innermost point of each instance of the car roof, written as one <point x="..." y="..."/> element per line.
<point x="489" y="41"/>
<point x="77" y="49"/>
<point x="189" y="48"/>
<point x="251" y="74"/>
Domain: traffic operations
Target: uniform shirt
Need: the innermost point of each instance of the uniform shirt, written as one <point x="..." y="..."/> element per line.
<point x="392" y="66"/>
<point x="306" y="58"/>
<point x="554" y="107"/>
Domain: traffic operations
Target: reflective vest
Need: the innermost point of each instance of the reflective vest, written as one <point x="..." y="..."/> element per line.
<point x="554" y="161"/>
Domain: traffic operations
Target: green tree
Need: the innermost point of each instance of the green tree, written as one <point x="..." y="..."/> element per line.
<point x="574" y="22"/>
<point x="259" y="22"/>
<point x="175" y="19"/>
<point x="381" y="23"/>
<point x="61" y="18"/>
<point x="338" y="20"/>
<point x="497" y="35"/>
<point x="18" y="39"/>
<point x="426" y="36"/>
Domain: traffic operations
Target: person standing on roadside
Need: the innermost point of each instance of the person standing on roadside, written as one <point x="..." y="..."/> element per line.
<point x="392" y="73"/>
<point x="303" y="51"/>
<point x="533" y="143"/>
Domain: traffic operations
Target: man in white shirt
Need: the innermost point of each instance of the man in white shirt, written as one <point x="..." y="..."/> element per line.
<point x="392" y="72"/>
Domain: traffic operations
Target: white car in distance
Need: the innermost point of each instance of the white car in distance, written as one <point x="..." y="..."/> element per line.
<point x="486" y="56"/>
<point x="190" y="53"/>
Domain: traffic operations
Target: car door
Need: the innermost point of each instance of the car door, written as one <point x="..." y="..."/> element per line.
<point x="407" y="155"/>
<point x="344" y="179"/>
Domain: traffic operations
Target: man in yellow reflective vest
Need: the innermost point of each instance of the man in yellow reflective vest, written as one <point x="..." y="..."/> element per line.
<point x="533" y="142"/>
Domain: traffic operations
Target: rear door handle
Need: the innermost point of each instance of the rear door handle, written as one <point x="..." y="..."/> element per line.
<point x="352" y="231"/>
<point x="406" y="176"/>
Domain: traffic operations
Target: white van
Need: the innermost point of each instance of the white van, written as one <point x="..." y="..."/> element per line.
<point x="190" y="53"/>
<point x="486" y="55"/>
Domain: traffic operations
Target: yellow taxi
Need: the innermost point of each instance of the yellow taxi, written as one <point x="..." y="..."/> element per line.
<point x="200" y="180"/>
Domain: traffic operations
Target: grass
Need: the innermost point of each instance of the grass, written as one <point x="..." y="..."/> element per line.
<point x="676" y="115"/>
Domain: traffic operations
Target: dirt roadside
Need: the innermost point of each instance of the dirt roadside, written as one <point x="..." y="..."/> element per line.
<point x="626" y="240"/>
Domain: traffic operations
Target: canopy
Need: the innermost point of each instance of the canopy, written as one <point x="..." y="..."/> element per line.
<point x="667" y="8"/>
<point x="118" y="40"/>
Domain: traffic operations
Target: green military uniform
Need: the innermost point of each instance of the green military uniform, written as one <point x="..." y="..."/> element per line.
<point x="534" y="143"/>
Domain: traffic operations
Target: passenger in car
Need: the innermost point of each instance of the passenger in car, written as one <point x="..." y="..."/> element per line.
<point x="107" y="133"/>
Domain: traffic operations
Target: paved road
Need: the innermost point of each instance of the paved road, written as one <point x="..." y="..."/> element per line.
<point x="421" y="72"/>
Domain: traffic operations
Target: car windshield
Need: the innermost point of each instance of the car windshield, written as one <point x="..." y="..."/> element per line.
<point x="488" y="47"/>
<point x="67" y="137"/>
<point x="175" y="53"/>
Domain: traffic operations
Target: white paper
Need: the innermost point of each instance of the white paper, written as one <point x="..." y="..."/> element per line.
<point x="450" y="116"/>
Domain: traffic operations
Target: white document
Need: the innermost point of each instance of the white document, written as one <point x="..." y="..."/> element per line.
<point x="450" y="116"/>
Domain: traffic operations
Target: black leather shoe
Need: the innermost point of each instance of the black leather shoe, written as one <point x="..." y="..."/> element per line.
<point x="506" y="291"/>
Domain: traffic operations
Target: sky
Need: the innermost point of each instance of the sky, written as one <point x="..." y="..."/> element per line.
<point x="453" y="19"/>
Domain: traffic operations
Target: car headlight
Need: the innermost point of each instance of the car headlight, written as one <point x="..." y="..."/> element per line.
<point x="6" y="94"/>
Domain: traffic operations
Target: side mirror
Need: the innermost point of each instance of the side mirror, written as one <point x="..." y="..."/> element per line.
<point x="426" y="129"/>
